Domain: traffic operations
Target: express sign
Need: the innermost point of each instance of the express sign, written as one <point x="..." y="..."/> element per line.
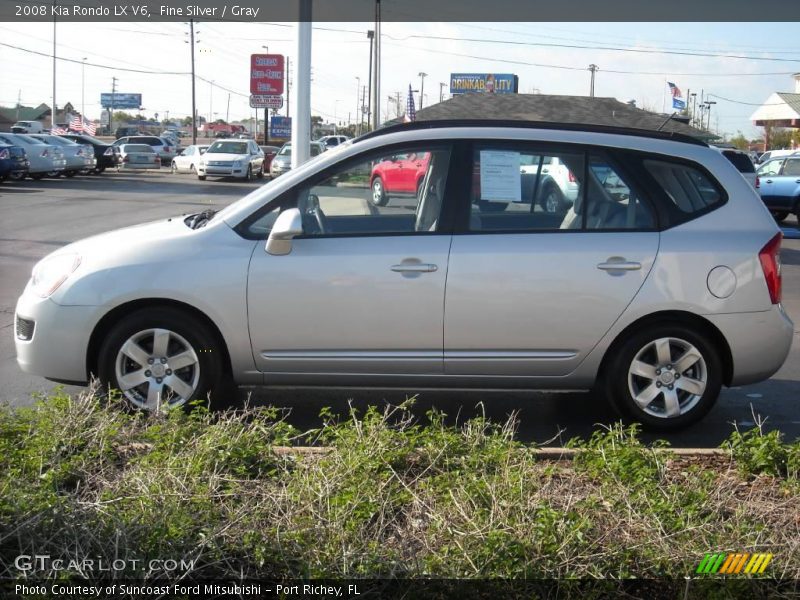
<point x="266" y="74"/>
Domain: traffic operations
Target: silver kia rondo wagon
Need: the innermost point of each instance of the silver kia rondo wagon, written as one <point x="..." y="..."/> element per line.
<point x="656" y="282"/>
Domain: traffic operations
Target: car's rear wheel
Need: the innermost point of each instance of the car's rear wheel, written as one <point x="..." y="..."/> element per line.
<point x="37" y="176"/>
<point x="667" y="376"/>
<point x="162" y="358"/>
<point x="173" y="168"/>
<point x="780" y="215"/>
<point x="70" y="173"/>
<point x="378" y="197"/>
<point x="260" y="173"/>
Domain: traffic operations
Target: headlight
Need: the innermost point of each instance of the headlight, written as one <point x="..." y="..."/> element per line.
<point x="237" y="164"/>
<point x="51" y="272"/>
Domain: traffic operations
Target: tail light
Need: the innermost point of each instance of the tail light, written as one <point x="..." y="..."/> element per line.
<point x="4" y="154"/>
<point x="770" y="257"/>
<point x="571" y="177"/>
<point x="125" y="158"/>
<point x="45" y="153"/>
<point x="758" y="182"/>
<point x="109" y="151"/>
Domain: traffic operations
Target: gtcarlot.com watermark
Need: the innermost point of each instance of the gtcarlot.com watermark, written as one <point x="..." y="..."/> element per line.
<point x="43" y="564"/>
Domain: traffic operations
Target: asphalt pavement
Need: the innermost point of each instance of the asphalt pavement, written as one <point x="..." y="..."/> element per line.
<point x="39" y="217"/>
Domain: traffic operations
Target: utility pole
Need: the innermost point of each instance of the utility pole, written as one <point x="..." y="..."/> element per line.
<point x="289" y="84"/>
<point x="422" y="77"/>
<point x="111" y="110"/>
<point x="358" y="91"/>
<point x="83" y="89"/>
<point x="55" y="105"/>
<point x="593" y="68"/>
<point x="228" y="110"/>
<point x="301" y="124"/>
<point x="19" y="101"/>
<point x="376" y="68"/>
<point x="709" y="103"/>
<point x="363" y="109"/>
<point x="194" y="107"/>
<point x="441" y="91"/>
<point x="210" y="102"/>
<point x="371" y="36"/>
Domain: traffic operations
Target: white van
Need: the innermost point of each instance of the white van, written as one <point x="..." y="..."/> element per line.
<point x="27" y="127"/>
<point x="775" y="154"/>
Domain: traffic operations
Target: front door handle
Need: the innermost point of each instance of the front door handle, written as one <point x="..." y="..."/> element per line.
<point x="769" y="180"/>
<point x="797" y="180"/>
<point x="415" y="268"/>
<point x="616" y="263"/>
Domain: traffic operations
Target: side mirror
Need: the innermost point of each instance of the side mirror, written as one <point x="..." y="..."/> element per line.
<point x="288" y="225"/>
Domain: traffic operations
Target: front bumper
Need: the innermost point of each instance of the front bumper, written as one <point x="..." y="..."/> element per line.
<point x="60" y="340"/>
<point x="222" y="171"/>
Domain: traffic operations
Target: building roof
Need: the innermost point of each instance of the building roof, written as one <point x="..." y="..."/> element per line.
<point x="780" y="106"/>
<point x="556" y="109"/>
<point x="26" y="113"/>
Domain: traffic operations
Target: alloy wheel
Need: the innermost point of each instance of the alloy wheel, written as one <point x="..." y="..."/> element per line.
<point x="156" y="369"/>
<point x="667" y="378"/>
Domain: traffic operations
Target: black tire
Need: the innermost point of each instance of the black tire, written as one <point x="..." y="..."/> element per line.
<point x="618" y="383"/>
<point x="173" y="168"/>
<point x="17" y="176"/>
<point x="99" y="170"/>
<point x="780" y="216"/>
<point x="70" y="173"/>
<point x="211" y="380"/>
<point x="37" y="176"/>
<point x="260" y="173"/>
<point x="552" y="199"/>
<point x="201" y="177"/>
<point x="249" y="175"/>
<point x="378" y="195"/>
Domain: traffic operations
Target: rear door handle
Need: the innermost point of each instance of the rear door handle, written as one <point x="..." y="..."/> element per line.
<point x="619" y="265"/>
<point x="415" y="268"/>
<point x="797" y="180"/>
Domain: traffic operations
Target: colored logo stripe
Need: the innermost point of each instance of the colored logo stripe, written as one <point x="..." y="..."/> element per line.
<point x="723" y="563"/>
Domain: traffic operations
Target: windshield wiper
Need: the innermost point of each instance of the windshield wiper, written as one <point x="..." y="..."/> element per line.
<point x="200" y="219"/>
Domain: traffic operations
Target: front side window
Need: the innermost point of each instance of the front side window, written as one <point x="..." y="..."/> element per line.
<point x="770" y="169"/>
<point x="379" y="194"/>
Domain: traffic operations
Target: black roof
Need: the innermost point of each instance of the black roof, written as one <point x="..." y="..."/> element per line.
<point x="443" y="123"/>
<point x="578" y="113"/>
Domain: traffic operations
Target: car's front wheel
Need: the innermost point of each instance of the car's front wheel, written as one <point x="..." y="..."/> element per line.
<point x="378" y="197"/>
<point x="162" y="358"/>
<point x="667" y="376"/>
<point x="260" y="173"/>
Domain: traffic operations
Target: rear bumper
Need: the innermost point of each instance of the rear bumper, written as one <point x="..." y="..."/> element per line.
<point x="759" y="342"/>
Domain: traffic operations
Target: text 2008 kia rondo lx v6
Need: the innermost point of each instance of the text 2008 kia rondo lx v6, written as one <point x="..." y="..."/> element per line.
<point x="660" y="283"/>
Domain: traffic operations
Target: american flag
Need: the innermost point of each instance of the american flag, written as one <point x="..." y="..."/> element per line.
<point x="58" y="131"/>
<point x="677" y="96"/>
<point x="411" y="111"/>
<point x="76" y="124"/>
<point x="89" y="128"/>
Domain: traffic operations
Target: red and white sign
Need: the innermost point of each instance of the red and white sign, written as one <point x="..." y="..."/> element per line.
<point x="257" y="101"/>
<point x="266" y="74"/>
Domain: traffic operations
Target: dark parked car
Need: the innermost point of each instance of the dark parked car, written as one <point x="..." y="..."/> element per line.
<point x="13" y="162"/>
<point x="106" y="154"/>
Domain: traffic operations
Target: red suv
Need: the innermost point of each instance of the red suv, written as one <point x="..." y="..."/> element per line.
<point x="398" y="174"/>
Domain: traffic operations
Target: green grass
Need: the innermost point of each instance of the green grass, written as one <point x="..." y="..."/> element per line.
<point x="390" y="498"/>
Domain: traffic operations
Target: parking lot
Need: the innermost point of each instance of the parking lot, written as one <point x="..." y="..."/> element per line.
<point x="38" y="217"/>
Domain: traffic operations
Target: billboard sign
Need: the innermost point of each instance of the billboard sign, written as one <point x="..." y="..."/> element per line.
<point x="266" y="74"/>
<point x="120" y="101"/>
<point x="483" y="83"/>
<point x="281" y="127"/>
<point x="259" y="101"/>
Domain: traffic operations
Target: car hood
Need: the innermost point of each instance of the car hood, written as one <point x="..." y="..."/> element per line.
<point x="225" y="157"/>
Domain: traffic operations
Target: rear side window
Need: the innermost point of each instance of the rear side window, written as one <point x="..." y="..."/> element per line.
<point x="690" y="189"/>
<point x="792" y="167"/>
<point x="740" y="160"/>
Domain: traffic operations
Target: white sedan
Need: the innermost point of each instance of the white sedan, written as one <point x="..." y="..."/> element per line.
<point x="138" y="156"/>
<point x="188" y="159"/>
<point x="232" y="158"/>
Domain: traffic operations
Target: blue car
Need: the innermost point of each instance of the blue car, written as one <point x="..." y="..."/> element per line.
<point x="13" y="162"/>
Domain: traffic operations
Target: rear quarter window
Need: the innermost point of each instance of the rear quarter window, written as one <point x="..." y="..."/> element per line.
<point x="688" y="188"/>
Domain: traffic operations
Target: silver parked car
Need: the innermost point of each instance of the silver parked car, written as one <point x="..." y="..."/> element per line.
<point x="79" y="157"/>
<point x="658" y="285"/>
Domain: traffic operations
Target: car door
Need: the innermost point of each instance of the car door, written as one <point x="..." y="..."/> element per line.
<point x="768" y="174"/>
<point x="186" y="159"/>
<point x="362" y="289"/>
<point x="787" y="184"/>
<point x="531" y="291"/>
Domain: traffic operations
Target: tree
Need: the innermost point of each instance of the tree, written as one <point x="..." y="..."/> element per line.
<point x="740" y="141"/>
<point x="220" y="122"/>
<point x="186" y="121"/>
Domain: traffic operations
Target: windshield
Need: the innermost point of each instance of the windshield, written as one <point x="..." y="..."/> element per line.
<point x="285" y="151"/>
<point x="228" y="148"/>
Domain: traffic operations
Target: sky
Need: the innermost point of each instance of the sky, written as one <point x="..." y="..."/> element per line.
<point x="737" y="65"/>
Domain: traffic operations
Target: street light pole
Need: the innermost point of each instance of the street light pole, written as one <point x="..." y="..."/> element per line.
<point x="371" y="36"/>
<point x="376" y="69"/>
<point x="358" y="90"/>
<point x="55" y="105"/>
<point x="194" y="106"/>
<point x="441" y="91"/>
